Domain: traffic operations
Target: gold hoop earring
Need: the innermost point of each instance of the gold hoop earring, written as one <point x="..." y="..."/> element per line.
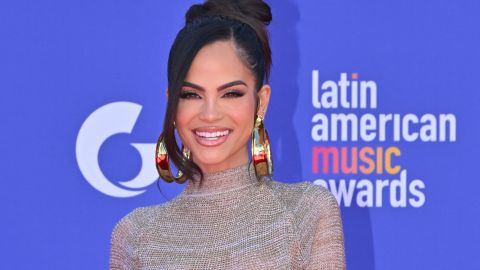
<point x="261" y="153"/>
<point x="162" y="162"/>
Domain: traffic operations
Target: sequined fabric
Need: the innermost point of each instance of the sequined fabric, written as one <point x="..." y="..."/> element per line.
<point x="234" y="221"/>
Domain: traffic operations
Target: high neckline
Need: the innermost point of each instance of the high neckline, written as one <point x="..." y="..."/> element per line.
<point x="222" y="181"/>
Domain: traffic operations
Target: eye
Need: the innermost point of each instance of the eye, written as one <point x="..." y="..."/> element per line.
<point x="233" y="94"/>
<point x="188" y="95"/>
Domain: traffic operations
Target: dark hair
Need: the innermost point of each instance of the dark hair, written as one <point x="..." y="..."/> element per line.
<point x="242" y="21"/>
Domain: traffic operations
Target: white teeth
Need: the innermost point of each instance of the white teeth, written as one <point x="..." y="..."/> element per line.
<point x="212" y="134"/>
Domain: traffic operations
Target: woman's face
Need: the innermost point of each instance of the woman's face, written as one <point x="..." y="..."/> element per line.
<point x="217" y="108"/>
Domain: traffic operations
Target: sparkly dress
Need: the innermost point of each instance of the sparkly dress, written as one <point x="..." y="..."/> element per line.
<point x="234" y="221"/>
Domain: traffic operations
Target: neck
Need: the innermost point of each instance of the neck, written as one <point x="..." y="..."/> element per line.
<point x="221" y="181"/>
<point x="235" y="160"/>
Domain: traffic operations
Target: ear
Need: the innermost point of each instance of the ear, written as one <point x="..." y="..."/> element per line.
<point x="166" y="92"/>
<point x="264" y="97"/>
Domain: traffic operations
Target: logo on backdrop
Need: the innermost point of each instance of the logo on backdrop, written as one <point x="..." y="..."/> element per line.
<point x="108" y="120"/>
<point x="354" y="95"/>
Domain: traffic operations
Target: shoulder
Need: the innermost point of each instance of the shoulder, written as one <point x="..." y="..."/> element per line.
<point x="126" y="235"/>
<point x="317" y="224"/>
<point x="307" y="202"/>
<point x="136" y="220"/>
<point x="320" y="198"/>
<point x="304" y="194"/>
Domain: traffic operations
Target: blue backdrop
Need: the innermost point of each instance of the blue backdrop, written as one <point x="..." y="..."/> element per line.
<point x="82" y="101"/>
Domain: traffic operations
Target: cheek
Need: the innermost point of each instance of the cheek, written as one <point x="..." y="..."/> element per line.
<point x="243" y="115"/>
<point x="243" y="118"/>
<point x="185" y="114"/>
<point x="182" y="116"/>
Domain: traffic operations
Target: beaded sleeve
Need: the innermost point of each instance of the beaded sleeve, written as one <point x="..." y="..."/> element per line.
<point x="327" y="246"/>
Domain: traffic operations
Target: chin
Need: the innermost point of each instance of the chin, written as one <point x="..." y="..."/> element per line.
<point x="209" y="158"/>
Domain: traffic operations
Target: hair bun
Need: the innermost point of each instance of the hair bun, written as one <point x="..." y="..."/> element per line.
<point x="242" y="10"/>
<point x="195" y="11"/>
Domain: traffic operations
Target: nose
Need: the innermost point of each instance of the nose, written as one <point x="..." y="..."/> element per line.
<point x="211" y="111"/>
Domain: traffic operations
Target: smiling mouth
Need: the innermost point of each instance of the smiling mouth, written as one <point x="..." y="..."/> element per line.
<point x="211" y="137"/>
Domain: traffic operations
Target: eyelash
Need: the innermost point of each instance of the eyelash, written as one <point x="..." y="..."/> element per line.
<point x="193" y="95"/>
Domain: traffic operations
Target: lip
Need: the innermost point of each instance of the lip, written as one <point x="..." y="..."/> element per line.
<point x="211" y="142"/>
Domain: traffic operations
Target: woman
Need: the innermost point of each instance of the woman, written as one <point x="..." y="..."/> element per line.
<point x="231" y="215"/>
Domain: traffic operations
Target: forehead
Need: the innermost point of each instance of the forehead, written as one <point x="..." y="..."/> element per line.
<point x="218" y="63"/>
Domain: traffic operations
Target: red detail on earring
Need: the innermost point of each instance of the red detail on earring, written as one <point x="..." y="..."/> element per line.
<point x="257" y="159"/>
<point x="162" y="162"/>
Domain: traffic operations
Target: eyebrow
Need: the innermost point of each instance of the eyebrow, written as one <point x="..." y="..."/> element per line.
<point x="198" y="87"/>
